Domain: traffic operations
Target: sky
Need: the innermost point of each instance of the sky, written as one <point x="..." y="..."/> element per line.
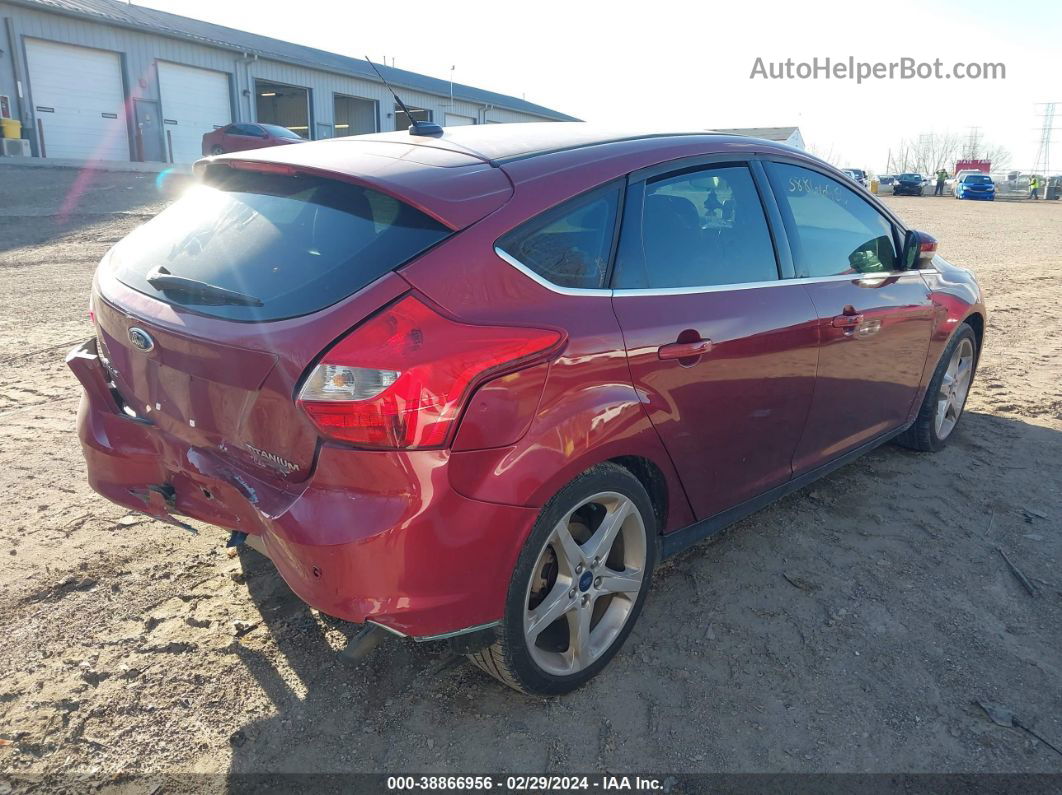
<point x="687" y="65"/>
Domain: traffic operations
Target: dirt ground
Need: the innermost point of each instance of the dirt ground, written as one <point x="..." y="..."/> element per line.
<point x="849" y="627"/>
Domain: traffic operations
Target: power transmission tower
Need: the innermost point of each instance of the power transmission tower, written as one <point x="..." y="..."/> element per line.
<point x="1047" y="130"/>
<point x="973" y="144"/>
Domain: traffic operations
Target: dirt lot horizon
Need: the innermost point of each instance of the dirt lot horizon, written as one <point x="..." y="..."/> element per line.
<point x="850" y="627"/>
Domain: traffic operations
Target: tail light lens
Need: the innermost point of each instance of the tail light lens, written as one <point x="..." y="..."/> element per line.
<point x="401" y="379"/>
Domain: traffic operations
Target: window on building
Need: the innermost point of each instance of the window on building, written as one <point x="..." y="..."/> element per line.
<point x="403" y="121"/>
<point x="353" y="115"/>
<point x="287" y="106"/>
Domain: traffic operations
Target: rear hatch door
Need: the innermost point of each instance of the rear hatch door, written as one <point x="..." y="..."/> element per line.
<point x="211" y="312"/>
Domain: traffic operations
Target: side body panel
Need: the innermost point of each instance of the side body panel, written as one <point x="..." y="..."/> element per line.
<point x="732" y="418"/>
<point x="870" y="373"/>
<point x="956" y="299"/>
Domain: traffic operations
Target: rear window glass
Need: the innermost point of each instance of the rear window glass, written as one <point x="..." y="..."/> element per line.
<point x="252" y="246"/>
<point x="569" y="245"/>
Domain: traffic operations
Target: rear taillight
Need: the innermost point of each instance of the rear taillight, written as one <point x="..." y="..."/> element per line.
<point x="400" y="379"/>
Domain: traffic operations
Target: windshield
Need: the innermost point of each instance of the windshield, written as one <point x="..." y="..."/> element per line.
<point x="977" y="179"/>
<point x="910" y="176"/>
<point x="281" y="132"/>
<point x="295" y="244"/>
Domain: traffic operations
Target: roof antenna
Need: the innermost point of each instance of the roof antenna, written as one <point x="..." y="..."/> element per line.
<point x="417" y="127"/>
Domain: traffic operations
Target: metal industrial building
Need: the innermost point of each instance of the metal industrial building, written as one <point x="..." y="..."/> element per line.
<point x="104" y="80"/>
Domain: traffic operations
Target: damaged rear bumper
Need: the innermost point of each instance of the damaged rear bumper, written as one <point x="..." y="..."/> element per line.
<point x="370" y="536"/>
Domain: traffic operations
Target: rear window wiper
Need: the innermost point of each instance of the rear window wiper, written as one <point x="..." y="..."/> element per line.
<point x="162" y="279"/>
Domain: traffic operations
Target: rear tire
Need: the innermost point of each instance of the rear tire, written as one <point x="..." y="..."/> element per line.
<point x="216" y="150"/>
<point x="579" y="584"/>
<point x="945" y="398"/>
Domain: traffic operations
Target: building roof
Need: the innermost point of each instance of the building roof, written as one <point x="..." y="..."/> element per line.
<point x="770" y="133"/>
<point x="113" y="12"/>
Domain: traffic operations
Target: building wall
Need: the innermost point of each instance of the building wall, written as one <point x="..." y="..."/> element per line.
<point x="140" y="50"/>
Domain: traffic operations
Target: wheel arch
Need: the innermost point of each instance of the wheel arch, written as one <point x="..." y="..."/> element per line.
<point x="558" y="448"/>
<point x="976" y="321"/>
<point x="653" y="479"/>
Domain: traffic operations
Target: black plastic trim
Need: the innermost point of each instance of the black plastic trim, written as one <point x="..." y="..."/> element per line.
<point x="681" y="540"/>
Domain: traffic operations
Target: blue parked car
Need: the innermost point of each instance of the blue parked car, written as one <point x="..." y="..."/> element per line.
<point x="975" y="186"/>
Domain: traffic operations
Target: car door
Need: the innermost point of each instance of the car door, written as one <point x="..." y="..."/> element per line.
<point x="875" y="317"/>
<point x="721" y="348"/>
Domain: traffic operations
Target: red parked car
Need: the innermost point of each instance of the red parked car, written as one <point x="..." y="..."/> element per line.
<point x="474" y="387"/>
<point x="244" y="135"/>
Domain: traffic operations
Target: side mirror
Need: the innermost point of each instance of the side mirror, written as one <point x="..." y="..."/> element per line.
<point x="919" y="248"/>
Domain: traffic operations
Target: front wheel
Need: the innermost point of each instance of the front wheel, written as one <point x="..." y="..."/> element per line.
<point x="579" y="584"/>
<point x="216" y="150"/>
<point x="946" y="395"/>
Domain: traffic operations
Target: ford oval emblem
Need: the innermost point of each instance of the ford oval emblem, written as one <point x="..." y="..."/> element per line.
<point x="141" y="339"/>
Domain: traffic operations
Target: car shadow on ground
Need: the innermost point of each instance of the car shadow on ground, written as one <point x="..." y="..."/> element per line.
<point x="847" y="627"/>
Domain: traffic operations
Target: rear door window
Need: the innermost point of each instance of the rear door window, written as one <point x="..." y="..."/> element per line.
<point x="834" y="230"/>
<point x="700" y="229"/>
<point x="291" y="244"/>
<point x="570" y="245"/>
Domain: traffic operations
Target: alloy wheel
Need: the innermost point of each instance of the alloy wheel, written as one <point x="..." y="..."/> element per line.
<point x="585" y="583"/>
<point x="954" y="388"/>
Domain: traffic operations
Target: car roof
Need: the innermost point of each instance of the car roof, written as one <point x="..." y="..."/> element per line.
<point x="455" y="175"/>
<point x="500" y="143"/>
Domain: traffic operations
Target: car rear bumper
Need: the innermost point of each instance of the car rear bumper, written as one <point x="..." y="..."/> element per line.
<point x="369" y="536"/>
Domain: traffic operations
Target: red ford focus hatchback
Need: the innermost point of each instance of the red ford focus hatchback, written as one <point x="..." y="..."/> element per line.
<point x="474" y="386"/>
<point x="243" y="136"/>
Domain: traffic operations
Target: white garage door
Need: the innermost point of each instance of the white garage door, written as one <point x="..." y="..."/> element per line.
<point x="198" y="100"/>
<point x="456" y="120"/>
<point x="78" y="97"/>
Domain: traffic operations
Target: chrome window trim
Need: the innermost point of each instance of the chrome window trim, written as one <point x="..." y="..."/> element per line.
<point x="542" y="280"/>
<point x="719" y="288"/>
<point x="712" y="288"/>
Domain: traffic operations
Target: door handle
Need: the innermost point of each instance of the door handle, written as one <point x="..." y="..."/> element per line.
<point x="684" y="350"/>
<point x="846" y="321"/>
